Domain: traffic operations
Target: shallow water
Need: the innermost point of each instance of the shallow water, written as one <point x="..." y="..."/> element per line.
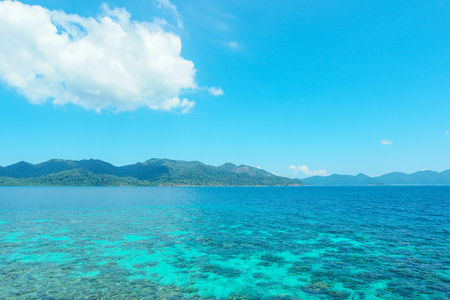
<point x="225" y="243"/>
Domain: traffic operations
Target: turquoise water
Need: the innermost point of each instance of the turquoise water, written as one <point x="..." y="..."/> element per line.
<point x="225" y="243"/>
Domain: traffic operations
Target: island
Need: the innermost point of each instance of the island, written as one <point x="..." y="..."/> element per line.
<point x="153" y="172"/>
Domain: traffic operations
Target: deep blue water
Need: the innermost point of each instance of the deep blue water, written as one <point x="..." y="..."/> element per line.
<point x="225" y="243"/>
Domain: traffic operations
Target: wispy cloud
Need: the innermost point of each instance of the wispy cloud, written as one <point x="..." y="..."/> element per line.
<point x="304" y="170"/>
<point x="233" y="45"/>
<point x="107" y="62"/>
<point x="385" y="142"/>
<point x="447" y="133"/>
<point x="215" y="91"/>
<point x="168" y="6"/>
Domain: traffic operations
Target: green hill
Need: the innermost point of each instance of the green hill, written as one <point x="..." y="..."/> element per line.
<point x="153" y="172"/>
<point x="394" y="178"/>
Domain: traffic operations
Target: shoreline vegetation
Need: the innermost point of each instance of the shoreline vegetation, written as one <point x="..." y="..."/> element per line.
<point x="153" y="172"/>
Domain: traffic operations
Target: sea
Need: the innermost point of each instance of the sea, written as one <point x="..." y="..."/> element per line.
<point x="383" y="242"/>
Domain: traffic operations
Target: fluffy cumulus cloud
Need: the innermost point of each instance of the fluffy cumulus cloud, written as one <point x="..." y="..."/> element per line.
<point x="386" y="142"/>
<point x="107" y="62"/>
<point x="305" y="171"/>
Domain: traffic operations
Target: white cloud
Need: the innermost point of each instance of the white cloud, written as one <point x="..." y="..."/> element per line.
<point x="233" y="45"/>
<point x="386" y="142"/>
<point x="108" y="62"/>
<point x="167" y="5"/>
<point x="447" y="133"/>
<point x="308" y="172"/>
<point x="215" y="91"/>
<point x="294" y="170"/>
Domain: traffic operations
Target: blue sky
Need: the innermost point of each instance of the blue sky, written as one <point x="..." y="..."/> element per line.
<point x="295" y="87"/>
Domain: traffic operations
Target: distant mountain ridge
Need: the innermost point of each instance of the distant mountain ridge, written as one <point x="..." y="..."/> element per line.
<point x="153" y="172"/>
<point x="395" y="178"/>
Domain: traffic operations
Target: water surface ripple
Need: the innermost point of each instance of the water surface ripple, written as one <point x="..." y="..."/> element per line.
<point x="225" y="243"/>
